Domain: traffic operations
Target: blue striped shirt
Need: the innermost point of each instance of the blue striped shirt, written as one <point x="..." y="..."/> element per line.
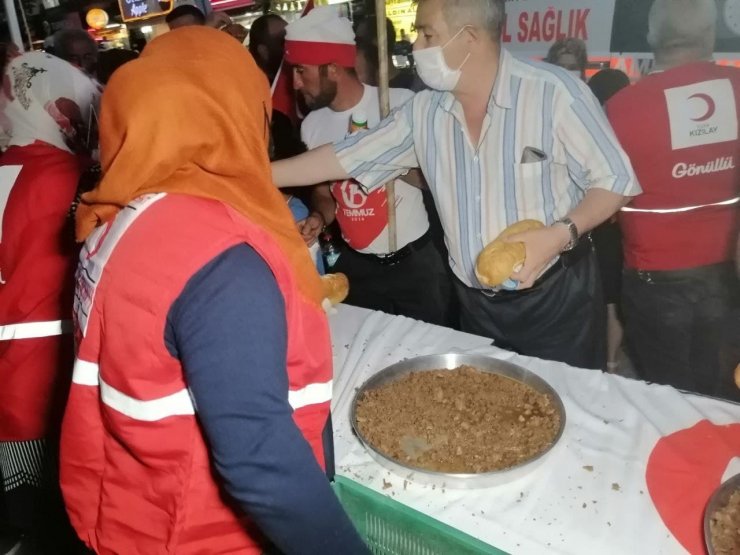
<point x="481" y="190"/>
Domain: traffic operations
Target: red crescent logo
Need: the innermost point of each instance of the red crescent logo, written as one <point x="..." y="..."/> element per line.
<point x="683" y="471"/>
<point x="710" y="106"/>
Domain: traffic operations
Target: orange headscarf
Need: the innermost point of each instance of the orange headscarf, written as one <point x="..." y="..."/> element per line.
<point x="191" y="116"/>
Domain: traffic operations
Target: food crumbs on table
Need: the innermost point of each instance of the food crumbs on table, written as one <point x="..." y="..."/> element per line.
<point x="642" y="492"/>
<point x="386" y="485"/>
<point x="615" y="486"/>
<point x="609" y="523"/>
<point x="405" y="483"/>
<point x="584" y="505"/>
<point x="588" y="468"/>
<point x="594" y="501"/>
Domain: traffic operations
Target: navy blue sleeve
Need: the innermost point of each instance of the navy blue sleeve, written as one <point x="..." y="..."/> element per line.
<point x="228" y="329"/>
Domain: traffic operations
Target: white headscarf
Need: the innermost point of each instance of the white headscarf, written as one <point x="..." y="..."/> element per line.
<point x="46" y="99"/>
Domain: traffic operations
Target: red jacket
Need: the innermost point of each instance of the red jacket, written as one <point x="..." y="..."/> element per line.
<point x="135" y="469"/>
<point x="37" y="258"/>
<point x="680" y="130"/>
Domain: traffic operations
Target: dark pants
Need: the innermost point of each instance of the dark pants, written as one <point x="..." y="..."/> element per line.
<point x="34" y="509"/>
<point x="416" y="286"/>
<point x="563" y="317"/>
<point x="608" y="244"/>
<point x="675" y="324"/>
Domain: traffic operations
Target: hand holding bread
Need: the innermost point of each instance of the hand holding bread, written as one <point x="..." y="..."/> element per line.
<point x="500" y="259"/>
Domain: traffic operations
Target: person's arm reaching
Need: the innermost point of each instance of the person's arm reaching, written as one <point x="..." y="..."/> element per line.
<point x="312" y="167"/>
<point x="362" y="156"/>
<point x="228" y="328"/>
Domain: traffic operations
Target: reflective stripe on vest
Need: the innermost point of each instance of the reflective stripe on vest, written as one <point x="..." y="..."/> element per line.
<point x="179" y="403"/>
<point x="312" y="394"/>
<point x="684" y="209"/>
<point x="32" y="330"/>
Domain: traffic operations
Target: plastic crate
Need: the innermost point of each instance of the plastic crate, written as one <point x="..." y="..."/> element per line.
<point x="391" y="528"/>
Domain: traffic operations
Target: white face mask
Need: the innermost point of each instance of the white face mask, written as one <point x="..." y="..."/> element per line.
<point x="433" y="69"/>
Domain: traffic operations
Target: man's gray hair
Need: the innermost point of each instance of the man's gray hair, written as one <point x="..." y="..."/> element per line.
<point x="682" y="24"/>
<point x="487" y="14"/>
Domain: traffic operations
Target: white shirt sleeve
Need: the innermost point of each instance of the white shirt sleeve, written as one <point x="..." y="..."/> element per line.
<point x="382" y="154"/>
<point x="595" y="157"/>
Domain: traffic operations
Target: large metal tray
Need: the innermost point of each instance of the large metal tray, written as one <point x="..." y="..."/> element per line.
<point x="719" y="499"/>
<point x="450" y="362"/>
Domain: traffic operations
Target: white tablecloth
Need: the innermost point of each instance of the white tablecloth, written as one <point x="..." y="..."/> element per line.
<point x="589" y="497"/>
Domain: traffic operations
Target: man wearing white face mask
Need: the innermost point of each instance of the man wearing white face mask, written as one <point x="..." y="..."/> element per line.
<point x="500" y="140"/>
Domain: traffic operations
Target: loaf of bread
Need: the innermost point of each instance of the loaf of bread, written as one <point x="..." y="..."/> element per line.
<point x="500" y="259"/>
<point x="336" y="287"/>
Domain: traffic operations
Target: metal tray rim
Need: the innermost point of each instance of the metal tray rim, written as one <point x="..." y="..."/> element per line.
<point x="720" y="496"/>
<point x="450" y="361"/>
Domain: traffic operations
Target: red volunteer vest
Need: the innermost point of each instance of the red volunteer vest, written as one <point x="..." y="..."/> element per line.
<point x="37" y="260"/>
<point x="135" y="470"/>
<point x="680" y="130"/>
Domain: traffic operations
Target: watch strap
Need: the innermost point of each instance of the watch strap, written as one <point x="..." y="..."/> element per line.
<point x="573" y="230"/>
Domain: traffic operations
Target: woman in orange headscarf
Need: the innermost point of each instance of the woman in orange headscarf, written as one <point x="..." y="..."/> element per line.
<point x="204" y="361"/>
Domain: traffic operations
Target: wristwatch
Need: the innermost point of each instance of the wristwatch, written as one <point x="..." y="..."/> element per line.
<point x="573" y="230"/>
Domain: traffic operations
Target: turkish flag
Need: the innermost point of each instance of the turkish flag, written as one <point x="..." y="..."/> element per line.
<point x="283" y="97"/>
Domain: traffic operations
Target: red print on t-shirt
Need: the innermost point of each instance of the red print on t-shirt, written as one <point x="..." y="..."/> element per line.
<point x="361" y="217"/>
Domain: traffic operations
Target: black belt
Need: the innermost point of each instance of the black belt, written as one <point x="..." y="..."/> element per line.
<point x="567" y="259"/>
<point x="396" y="257"/>
<point x="664" y="276"/>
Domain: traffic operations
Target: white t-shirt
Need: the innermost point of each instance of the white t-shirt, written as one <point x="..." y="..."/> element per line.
<point x="363" y="218"/>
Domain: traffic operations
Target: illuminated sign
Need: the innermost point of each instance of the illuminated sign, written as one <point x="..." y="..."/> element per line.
<point x="133" y="10"/>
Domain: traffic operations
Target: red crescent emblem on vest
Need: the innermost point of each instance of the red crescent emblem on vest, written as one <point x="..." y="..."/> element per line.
<point x="711" y="107"/>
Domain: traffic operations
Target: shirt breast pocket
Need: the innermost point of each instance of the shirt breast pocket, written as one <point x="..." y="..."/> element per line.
<point x="530" y="187"/>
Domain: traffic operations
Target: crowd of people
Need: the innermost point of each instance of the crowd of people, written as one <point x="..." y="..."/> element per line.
<point x="164" y="347"/>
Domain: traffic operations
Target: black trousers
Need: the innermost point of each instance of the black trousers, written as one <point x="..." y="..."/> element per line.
<point x="34" y="507"/>
<point x="417" y="286"/>
<point x="563" y="317"/>
<point x="678" y="325"/>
